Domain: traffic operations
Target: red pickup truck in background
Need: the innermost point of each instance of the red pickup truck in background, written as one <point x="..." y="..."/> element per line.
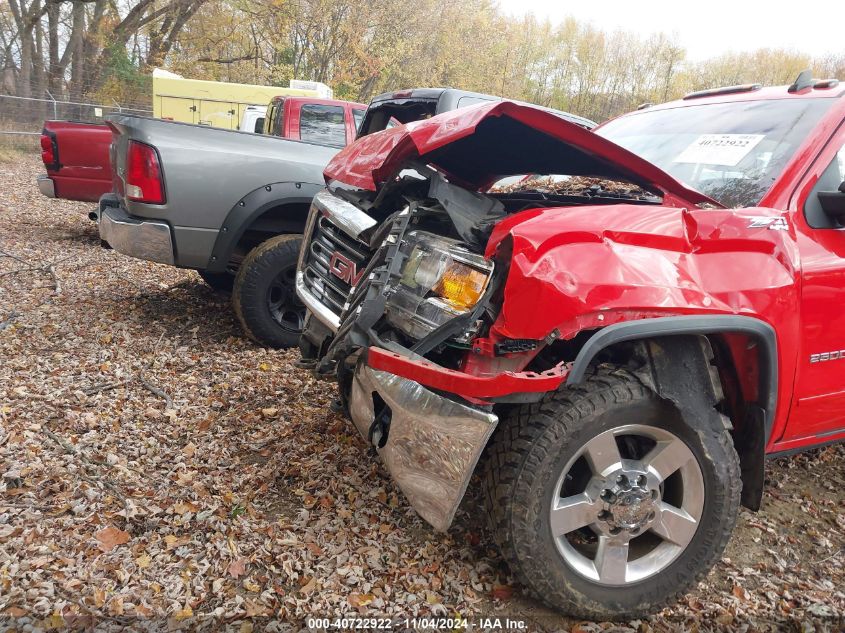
<point x="76" y="154"/>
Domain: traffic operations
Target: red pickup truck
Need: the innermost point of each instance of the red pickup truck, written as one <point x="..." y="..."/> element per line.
<point x="621" y="337"/>
<point x="76" y="154"/>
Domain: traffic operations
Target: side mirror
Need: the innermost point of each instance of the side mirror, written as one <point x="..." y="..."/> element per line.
<point x="833" y="203"/>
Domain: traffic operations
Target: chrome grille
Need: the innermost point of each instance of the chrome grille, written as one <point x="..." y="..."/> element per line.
<point x="330" y="285"/>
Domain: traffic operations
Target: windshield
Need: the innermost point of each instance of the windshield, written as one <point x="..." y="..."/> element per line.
<point x="732" y="152"/>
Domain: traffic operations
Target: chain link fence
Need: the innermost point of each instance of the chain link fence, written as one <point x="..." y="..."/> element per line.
<point x="25" y="115"/>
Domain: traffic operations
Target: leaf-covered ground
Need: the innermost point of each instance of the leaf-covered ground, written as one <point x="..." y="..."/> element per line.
<point x="157" y="468"/>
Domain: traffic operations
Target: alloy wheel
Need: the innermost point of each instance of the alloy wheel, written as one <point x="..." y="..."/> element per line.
<point x="627" y="504"/>
<point x="285" y="306"/>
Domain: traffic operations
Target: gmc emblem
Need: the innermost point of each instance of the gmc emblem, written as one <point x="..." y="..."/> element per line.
<point x="345" y="269"/>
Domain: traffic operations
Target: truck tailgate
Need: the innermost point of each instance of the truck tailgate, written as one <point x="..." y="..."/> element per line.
<point x="76" y="156"/>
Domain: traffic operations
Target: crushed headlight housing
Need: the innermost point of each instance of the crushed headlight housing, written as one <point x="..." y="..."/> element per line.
<point x="440" y="279"/>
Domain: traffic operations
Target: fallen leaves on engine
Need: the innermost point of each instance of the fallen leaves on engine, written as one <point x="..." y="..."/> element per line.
<point x="582" y="186"/>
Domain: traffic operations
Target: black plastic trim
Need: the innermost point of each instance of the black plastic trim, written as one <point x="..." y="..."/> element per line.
<point x="803" y="449"/>
<point x="251" y="207"/>
<point x="56" y="165"/>
<point x="671" y="326"/>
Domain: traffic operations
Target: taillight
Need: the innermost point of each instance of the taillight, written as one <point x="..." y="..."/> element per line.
<point x="143" y="174"/>
<point x="49" y="151"/>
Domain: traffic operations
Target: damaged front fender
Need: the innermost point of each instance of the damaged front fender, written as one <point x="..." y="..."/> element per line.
<point x="586" y="267"/>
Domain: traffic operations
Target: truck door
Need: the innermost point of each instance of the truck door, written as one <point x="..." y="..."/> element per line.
<point x="218" y="114"/>
<point x="818" y="405"/>
<point x="182" y="109"/>
<point x="354" y="123"/>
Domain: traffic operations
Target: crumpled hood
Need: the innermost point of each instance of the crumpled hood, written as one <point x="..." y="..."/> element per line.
<point x="478" y="145"/>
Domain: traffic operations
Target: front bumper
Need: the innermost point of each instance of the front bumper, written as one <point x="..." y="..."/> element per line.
<point x="46" y="185"/>
<point x="433" y="444"/>
<point x="144" y="239"/>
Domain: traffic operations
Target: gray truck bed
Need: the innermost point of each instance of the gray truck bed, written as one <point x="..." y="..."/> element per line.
<point x="207" y="171"/>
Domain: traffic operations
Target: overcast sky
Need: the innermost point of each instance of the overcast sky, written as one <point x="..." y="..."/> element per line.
<point x="707" y="28"/>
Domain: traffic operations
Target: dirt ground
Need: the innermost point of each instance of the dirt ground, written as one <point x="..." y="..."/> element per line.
<point x="160" y="470"/>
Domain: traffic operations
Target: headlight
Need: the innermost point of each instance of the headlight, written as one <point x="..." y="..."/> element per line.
<point x="440" y="280"/>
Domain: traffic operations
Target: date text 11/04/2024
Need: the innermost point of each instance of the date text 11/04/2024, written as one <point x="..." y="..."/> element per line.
<point x="417" y="624"/>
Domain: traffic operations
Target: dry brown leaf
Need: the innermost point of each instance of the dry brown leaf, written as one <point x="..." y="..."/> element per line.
<point x="237" y="568"/>
<point x="99" y="597"/>
<point x="143" y="561"/>
<point x="502" y="592"/>
<point x="110" y="537"/>
<point x="185" y="613"/>
<point x="183" y="507"/>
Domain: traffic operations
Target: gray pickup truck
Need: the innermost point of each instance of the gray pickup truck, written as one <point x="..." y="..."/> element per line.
<point x="233" y="205"/>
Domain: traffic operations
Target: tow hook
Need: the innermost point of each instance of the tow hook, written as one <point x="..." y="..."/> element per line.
<point x="380" y="428"/>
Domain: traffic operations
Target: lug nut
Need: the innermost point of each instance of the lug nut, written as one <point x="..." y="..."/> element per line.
<point x="622" y="480"/>
<point x="615" y="530"/>
<point x="604" y="515"/>
<point x="607" y="496"/>
<point x="654" y="494"/>
<point x="651" y="516"/>
<point x="641" y="481"/>
<point x="634" y="530"/>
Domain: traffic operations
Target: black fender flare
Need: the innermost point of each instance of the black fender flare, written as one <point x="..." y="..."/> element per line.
<point x="759" y="330"/>
<point x="751" y="445"/>
<point x="252" y="206"/>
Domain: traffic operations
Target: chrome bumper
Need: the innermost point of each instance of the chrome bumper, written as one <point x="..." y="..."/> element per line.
<point x="433" y="444"/>
<point x="46" y="186"/>
<point x="144" y="239"/>
<point x="321" y="312"/>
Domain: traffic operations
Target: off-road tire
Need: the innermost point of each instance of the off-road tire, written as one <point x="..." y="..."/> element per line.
<point x="221" y="282"/>
<point x="530" y="449"/>
<point x="249" y="295"/>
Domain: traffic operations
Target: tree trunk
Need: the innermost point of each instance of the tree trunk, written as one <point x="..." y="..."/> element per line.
<point x="77" y="48"/>
<point x="54" y="77"/>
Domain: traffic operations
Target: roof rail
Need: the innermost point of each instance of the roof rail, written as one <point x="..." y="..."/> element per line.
<point x="727" y="90"/>
<point x="803" y="81"/>
<point x="825" y="84"/>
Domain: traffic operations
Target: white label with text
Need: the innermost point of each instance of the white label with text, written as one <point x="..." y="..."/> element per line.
<point x="719" y="149"/>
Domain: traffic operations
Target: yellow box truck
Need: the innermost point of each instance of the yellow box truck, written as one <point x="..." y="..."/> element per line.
<point x="214" y="103"/>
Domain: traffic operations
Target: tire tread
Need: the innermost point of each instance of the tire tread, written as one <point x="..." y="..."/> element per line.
<point x="248" y="307"/>
<point x="525" y="440"/>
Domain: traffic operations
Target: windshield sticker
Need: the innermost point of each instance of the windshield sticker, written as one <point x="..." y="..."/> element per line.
<point x="719" y="149"/>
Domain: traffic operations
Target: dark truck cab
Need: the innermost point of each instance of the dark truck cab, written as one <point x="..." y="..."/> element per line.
<point x="405" y="106"/>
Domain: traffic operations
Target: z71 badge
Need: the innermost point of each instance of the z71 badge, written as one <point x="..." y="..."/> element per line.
<point x="773" y="224"/>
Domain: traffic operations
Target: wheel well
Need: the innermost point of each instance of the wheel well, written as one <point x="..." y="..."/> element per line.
<point x="277" y="220"/>
<point x="733" y="360"/>
<point x="733" y="364"/>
